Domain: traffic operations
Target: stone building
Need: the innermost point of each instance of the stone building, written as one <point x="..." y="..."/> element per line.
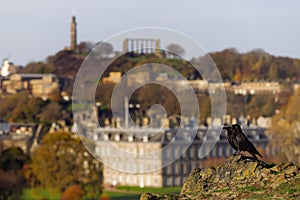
<point x="114" y="77"/>
<point x="257" y="87"/>
<point x="39" y="85"/>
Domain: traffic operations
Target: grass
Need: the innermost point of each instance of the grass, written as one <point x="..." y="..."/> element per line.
<point x="223" y="190"/>
<point x="122" y="193"/>
<point x="132" y="192"/>
<point x="174" y="190"/>
<point x="251" y="188"/>
<point x="118" y="196"/>
<point x="40" y="193"/>
<point x="290" y="188"/>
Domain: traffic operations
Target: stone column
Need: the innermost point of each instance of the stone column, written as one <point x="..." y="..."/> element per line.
<point x="146" y="45"/>
<point x="142" y="46"/>
<point x="157" y="48"/>
<point x="125" y="45"/>
<point x="73" y="33"/>
<point x="137" y="46"/>
<point x="132" y="45"/>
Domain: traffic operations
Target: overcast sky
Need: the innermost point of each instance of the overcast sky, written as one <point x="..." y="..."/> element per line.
<point x="31" y="30"/>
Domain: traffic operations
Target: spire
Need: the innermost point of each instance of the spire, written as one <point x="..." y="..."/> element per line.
<point x="73" y="33"/>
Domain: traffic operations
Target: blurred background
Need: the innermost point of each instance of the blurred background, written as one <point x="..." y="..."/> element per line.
<point x="254" y="44"/>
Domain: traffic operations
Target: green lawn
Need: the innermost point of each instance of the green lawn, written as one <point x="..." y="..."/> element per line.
<point x="118" y="196"/>
<point x="174" y="190"/>
<point x="131" y="192"/>
<point x="122" y="193"/>
<point x="40" y="193"/>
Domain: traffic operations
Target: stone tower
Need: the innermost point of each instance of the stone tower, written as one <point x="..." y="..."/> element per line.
<point x="73" y="33"/>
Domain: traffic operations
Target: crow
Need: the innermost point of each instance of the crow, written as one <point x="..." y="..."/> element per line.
<point x="238" y="140"/>
<point x="231" y="134"/>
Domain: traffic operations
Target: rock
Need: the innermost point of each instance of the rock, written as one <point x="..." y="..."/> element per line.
<point x="153" y="196"/>
<point x="239" y="177"/>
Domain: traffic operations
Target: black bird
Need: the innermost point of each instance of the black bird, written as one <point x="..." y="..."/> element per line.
<point x="231" y="134"/>
<point x="238" y="140"/>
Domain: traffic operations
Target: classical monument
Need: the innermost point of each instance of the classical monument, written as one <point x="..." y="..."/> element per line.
<point x="73" y="33"/>
<point x="142" y="46"/>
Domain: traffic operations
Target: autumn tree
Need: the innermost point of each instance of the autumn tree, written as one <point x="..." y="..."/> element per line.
<point x="286" y="129"/>
<point x="261" y="104"/>
<point x="103" y="49"/>
<point x="73" y="192"/>
<point x="51" y="112"/>
<point x="175" y="50"/>
<point x="62" y="161"/>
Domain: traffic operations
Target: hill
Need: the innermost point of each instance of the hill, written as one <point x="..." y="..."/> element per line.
<point x="233" y="66"/>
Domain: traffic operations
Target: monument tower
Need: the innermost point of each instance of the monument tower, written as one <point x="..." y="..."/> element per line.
<point x="73" y="33"/>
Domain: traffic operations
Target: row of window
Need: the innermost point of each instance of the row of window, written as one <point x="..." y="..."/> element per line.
<point x="195" y="152"/>
<point x="140" y="180"/>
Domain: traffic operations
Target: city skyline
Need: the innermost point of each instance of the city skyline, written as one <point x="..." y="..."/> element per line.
<point x="34" y="30"/>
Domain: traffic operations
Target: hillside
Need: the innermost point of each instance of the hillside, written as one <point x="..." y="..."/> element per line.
<point x="233" y="66"/>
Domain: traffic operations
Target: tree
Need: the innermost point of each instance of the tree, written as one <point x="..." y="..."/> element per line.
<point x="12" y="161"/>
<point x="104" y="92"/>
<point x="62" y="160"/>
<point x="103" y="49"/>
<point x="261" y="104"/>
<point x="175" y="50"/>
<point x="73" y="192"/>
<point x="11" y="185"/>
<point x="286" y="129"/>
<point x="51" y="112"/>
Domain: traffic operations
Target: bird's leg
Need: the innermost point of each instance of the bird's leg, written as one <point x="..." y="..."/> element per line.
<point x="254" y="156"/>
<point x="238" y="152"/>
<point x="234" y="154"/>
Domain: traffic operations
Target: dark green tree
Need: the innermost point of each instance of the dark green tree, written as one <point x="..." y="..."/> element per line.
<point x="12" y="161"/>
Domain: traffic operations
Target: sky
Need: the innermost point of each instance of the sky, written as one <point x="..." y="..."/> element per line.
<point x="31" y="30"/>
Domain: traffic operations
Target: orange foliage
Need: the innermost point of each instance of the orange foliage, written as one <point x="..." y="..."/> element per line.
<point x="73" y="192"/>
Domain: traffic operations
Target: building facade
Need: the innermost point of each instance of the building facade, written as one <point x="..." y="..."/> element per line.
<point x="39" y="85"/>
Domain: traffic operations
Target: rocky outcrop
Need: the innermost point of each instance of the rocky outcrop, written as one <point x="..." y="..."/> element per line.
<point x="240" y="177"/>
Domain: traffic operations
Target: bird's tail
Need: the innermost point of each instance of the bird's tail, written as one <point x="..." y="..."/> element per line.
<point x="256" y="152"/>
<point x="259" y="154"/>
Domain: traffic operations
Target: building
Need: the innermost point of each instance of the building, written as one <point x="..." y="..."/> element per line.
<point x="114" y="77"/>
<point x="133" y="79"/>
<point x="7" y="68"/>
<point x="4" y="127"/>
<point x="39" y="85"/>
<point x="256" y="87"/>
<point x="162" y="157"/>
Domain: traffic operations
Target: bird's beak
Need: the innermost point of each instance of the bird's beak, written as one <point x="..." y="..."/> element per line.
<point x="226" y="127"/>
